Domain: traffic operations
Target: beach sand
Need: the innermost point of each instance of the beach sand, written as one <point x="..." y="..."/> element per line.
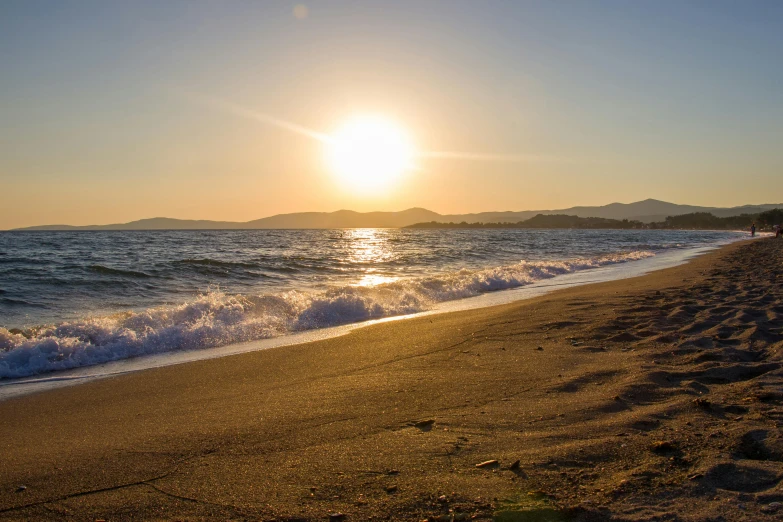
<point x="654" y="398"/>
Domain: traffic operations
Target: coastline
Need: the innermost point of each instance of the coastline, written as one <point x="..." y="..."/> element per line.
<point x="15" y="387"/>
<point x="601" y="418"/>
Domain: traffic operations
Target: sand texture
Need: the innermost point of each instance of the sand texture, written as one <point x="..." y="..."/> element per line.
<point x="654" y="398"/>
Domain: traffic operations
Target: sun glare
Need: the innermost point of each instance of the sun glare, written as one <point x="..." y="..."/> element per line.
<point x="369" y="154"/>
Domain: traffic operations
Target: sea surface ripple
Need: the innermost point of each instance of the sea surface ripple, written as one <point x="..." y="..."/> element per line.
<point x="72" y="299"/>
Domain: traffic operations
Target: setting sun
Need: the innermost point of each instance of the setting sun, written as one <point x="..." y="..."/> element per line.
<point x="369" y="153"/>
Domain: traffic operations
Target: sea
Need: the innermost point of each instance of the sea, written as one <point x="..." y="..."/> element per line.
<point x="87" y="299"/>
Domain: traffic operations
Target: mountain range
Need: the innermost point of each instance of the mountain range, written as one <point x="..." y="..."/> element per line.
<point x="647" y="211"/>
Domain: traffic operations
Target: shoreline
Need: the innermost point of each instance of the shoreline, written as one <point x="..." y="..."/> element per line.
<point x="651" y="397"/>
<point x="15" y="387"/>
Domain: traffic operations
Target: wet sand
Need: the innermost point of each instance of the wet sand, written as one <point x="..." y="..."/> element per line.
<point x="654" y="398"/>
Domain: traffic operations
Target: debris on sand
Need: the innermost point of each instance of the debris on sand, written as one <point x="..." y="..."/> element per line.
<point x="488" y="464"/>
<point x="663" y="447"/>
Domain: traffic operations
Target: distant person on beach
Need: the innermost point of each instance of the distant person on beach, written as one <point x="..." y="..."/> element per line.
<point x="777" y="230"/>
<point x="753" y="230"/>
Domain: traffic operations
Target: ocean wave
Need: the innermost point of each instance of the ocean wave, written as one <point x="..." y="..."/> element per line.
<point x="664" y="246"/>
<point x="215" y="263"/>
<point x="25" y="260"/>
<point x="105" y="270"/>
<point x="16" y="302"/>
<point x="217" y="319"/>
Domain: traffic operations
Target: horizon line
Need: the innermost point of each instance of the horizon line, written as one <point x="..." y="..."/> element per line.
<point x="378" y="211"/>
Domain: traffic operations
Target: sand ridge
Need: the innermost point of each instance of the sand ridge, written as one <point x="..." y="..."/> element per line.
<point x="655" y="398"/>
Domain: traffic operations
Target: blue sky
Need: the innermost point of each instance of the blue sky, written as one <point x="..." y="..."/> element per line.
<point x="624" y="100"/>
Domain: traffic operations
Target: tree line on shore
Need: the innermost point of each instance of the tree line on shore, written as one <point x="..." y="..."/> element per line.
<point x="694" y="221"/>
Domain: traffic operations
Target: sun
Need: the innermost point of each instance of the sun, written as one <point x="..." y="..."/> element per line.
<point x="369" y="153"/>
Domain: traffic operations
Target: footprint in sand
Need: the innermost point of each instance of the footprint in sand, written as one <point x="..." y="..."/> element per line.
<point x="744" y="478"/>
<point x="760" y="445"/>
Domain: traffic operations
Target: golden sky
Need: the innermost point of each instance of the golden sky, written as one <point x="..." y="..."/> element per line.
<point x="109" y="110"/>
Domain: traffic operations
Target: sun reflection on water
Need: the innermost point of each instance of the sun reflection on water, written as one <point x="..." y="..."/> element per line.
<point x="370" y="246"/>
<point x="375" y="280"/>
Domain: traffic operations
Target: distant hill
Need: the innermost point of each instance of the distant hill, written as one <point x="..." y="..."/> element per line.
<point x="544" y="221"/>
<point x="766" y="220"/>
<point x="346" y="219"/>
<point x="338" y="219"/>
<point x="647" y="211"/>
<point x="149" y="224"/>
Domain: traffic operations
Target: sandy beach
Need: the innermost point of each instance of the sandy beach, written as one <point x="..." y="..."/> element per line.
<point x="654" y="398"/>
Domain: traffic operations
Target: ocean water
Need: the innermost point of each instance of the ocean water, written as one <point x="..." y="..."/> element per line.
<point x="75" y="299"/>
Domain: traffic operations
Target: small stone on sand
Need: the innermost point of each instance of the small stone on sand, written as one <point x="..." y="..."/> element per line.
<point x="487" y="464"/>
<point x="662" y="446"/>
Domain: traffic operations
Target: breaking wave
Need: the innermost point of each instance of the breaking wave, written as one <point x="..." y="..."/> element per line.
<point x="218" y="319"/>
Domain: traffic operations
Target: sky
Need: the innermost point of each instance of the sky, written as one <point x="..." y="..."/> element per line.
<point x="114" y="111"/>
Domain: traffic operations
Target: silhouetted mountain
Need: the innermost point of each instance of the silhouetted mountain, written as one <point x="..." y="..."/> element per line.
<point x="149" y="224"/>
<point x="647" y="211"/>
<point x="544" y="221"/>
<point x="338" y="219"/>
<point x="651" y="210"/>
<point x="346" y="219"/>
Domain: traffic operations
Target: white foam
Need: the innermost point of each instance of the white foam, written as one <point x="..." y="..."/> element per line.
<point x="218" y="319"/>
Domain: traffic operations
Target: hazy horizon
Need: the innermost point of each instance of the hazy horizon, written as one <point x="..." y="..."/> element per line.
<point x="648" y="209"/>
<point x="329" y="211"/>
<point x="230" y="112"/>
